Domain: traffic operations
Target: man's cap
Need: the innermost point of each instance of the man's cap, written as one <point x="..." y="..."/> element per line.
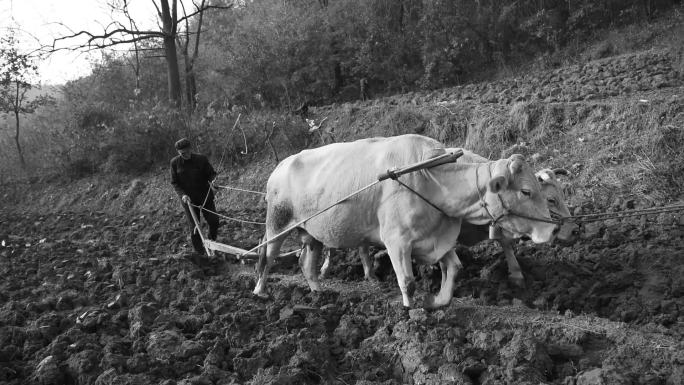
<point x="183" y="143"/>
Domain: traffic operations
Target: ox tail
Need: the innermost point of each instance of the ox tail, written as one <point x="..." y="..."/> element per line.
<point x="261" y="264"/>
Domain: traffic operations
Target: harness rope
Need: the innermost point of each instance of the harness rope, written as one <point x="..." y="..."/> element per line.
<point x="391" y="174"/>
<point x="292" y="227"/>
<point x="223" y="154"/>
<point x="483" y="203"/>
<point x="240" y="189"/>
<point x="585" y="218"/>
<point x="227" y="217"/>
<point x="206" y="197"/>
<point x="506" y="211"/>
<point x="396" y="178"/>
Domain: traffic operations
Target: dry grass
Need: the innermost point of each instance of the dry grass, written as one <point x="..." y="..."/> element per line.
<point x="404" y="120"/>
<point x="535" y="126"/>
<point x="632" y="148"/>
<point x="624" y="147"/>
<point x="488" y="133"/>
<point x="621" y="147"/>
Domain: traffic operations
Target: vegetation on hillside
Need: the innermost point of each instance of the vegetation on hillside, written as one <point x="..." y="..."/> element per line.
<point x="263" y="60"/>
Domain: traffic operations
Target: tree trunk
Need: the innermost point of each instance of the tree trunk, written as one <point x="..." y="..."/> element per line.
<point x="190" y="80"/>
<point x="16" y="140"/>
<point x="173" y="73"/>
<point x="169" y="27"/>
<point x="191" y="89"/>
<point x="338" y="80"/>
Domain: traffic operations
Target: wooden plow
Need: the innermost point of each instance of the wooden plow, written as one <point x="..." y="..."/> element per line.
<point x="211" y="246"/>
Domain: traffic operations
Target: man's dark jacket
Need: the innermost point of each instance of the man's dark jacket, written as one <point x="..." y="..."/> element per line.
<point x="191" y="177"/>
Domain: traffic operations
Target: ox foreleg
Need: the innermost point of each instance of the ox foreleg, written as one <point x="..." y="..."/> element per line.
<point x="308" y="261"/>
<point x="515" y="275"/>
<point x="450" y="265"/>
<point x="400" y="255"/>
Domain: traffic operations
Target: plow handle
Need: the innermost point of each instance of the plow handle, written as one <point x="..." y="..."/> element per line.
<point x="449" y="157"/>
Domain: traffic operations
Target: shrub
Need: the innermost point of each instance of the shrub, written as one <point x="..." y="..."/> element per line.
<point x="79" y="168"/>
<point x="142" y="138"/>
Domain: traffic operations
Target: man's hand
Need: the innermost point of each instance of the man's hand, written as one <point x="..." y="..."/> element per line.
<point x="185" y="199"/>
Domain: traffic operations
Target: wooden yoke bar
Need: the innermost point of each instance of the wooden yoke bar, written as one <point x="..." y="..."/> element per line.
<point x="449" y="157"/>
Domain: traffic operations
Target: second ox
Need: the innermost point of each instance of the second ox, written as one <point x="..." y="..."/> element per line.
<point x="390" y="215"/>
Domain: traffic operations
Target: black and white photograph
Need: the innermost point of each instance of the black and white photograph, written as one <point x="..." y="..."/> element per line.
<point x="341" y="192"/>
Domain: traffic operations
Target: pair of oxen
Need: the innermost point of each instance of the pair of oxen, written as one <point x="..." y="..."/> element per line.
<point x="419" y="217"/>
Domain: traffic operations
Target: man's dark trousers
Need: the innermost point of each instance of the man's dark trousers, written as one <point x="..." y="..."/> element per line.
<point x="211" y="218"/>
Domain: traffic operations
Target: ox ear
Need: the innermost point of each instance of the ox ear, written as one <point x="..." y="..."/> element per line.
<point x="562" y="171"/>
<point x="516" y="163"/>
<point x="497" y="184"/>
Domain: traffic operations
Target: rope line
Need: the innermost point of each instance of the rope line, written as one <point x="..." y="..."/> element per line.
<point x="240" y="189"/>
<point x="624" y="214"/>
<point x="206" y="197"/>
<point x="420" y="196"/>
<point x="292" y="227"/>
<point x="227" y="217"/>
<point x="507" y="212"/>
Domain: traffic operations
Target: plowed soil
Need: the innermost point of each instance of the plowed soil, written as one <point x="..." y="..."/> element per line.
<point x="95" y="298"/>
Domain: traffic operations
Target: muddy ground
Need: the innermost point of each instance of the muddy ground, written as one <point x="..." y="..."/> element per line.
<point x="95" y="298"/>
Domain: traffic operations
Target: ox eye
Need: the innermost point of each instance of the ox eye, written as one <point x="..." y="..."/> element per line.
<point x="551" y="201"/>
<point x="526" y="192"/>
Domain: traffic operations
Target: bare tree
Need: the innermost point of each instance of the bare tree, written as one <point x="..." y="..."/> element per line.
<point x="17" y="70"/>
<point x="116" y="33"/>
<point x="189" y="60"/>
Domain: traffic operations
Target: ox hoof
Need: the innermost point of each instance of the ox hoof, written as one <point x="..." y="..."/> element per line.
<point x="371" y="278"/>
<point x="316" y="289"/>
<point x="261" y="295"/>
<point x="518" y="282"/>
<point x="434" y="302"/>
<point x="399" y="303"/>
<point x="429" y="302"/>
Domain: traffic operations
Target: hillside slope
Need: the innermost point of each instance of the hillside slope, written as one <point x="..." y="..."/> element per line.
<point x="99" y="291"/>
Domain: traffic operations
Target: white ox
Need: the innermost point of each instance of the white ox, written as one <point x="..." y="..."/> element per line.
<point x="390" y="215"/>
<point x="472" y="234"/>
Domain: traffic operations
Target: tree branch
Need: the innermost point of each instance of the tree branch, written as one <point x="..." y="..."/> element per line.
<point x="100" y="40"/>
<point x="112" y="37"/>
<point x="205" y="8"/>
<point x="199" y="29"/>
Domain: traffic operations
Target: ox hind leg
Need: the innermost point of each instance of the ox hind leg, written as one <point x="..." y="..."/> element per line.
<point x="400" y="255"/>
<point x="515" y="275"/>
<point x="367" y="262"/>
<point x="278" y="217"/>
<point x="326" y="262"/>
<point x="450" y="264"/>
<point x="308" y="260"/>
<point x="267" y="256"/>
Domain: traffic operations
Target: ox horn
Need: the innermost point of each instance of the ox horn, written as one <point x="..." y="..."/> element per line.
<point x="516" y="163"/>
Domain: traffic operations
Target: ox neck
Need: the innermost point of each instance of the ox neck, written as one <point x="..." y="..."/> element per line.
<point x="463" y="188"/>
